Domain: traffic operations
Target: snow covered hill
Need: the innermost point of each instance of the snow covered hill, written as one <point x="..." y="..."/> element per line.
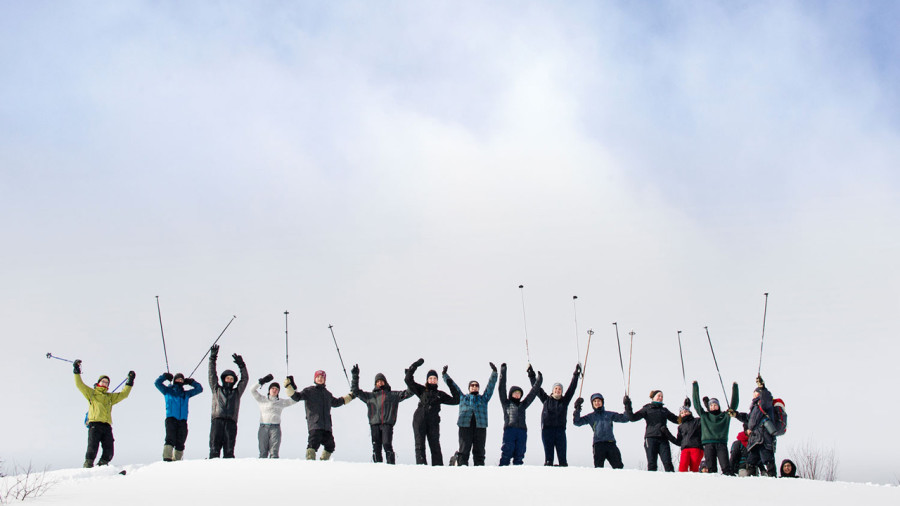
<point x="246" y="482"/>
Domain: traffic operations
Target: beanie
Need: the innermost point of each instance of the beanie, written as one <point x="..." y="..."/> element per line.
<point x="430" y="374"/>
<point x="319" y="373"/>
<point x="178" y="376"/>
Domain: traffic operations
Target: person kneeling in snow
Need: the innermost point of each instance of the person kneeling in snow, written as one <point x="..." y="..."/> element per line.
<point x="515" y="432"/>
<point x="602" y="422"/>
<point x="176" y="411"/>
<point x="382" y="404"/>
<point x="226" y="405"/>
<point x="319" y="402"/>
<point x="101" y="402"/>
<point x="270" y="408"/>
<point x="788" y="469"/>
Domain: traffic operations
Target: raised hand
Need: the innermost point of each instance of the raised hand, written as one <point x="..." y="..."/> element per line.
<point x="214" y="351"/>
<point x="76" y="366"/>
<point x="493" y="367"/>
<point x="130" y="381"/>
<point x="355" y="370"/>
<point x="168" y="376"/>
<point x="265" y="379"/>
<point x="239" y="360"/>
<point x="578" y="403"/>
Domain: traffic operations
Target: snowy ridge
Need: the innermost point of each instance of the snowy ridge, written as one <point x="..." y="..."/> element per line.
<point x="246" y="482"/>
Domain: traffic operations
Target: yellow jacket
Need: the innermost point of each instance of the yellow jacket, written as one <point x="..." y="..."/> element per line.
<point x="101" y="401"/>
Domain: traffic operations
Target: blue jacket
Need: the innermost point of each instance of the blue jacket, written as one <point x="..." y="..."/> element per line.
<point x="176" y="397"/>
<point x="602" y="422"/>
<point x="473" y="404"/>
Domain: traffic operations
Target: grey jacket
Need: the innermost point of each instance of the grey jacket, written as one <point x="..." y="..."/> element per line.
<point x="226" y="401"/>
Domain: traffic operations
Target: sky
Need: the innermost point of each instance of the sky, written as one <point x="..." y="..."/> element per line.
<point x="398" y="170"/>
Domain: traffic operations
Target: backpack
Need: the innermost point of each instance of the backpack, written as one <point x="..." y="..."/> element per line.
<point x="781" y="417"/>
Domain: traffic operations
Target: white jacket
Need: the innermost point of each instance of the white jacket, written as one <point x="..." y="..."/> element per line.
<point x="269" y="408"/>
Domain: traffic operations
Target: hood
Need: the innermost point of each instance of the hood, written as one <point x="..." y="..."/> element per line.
<point x="516" y="389"/>
<point x="793" y="473"/>
<point x="97" y="384"/>
<point x="225" y="374"/>
<point x="379" y="376"/>
<point x="598" y="396"/>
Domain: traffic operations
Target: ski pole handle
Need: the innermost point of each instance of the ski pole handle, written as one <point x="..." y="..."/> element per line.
<point x="50" y="355"/>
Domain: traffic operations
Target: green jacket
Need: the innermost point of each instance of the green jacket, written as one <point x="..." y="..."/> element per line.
<point x="714" y="426"/>
<point x="101" y="401"/>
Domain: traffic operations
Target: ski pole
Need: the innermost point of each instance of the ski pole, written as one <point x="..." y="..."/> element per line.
<point x="286" y="363"/>
<point x="621" y="364"/>
<point x="630" y="354"/>
<point x="765" y="308"/>
<point x="331" y="328"/>
<point x="120" y="385"/>
<point x="681" y="354"/>
<point x="50" y="355"/>
<point x="717" y="366"/>
<point x="525" y="322"/>
<point x="577" y="346"/>
<point x="213" y="344"/>
<point x="165" y="353"/>
<point x="590" y="333"/>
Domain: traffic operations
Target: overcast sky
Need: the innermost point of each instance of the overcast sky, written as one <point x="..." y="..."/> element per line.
<point x="397" y="169"/>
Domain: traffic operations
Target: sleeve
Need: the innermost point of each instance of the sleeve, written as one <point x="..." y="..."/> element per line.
<point x="743" y="417"/>
<point x="454" y="388"/>
<point x="579" y="420"/>
<point x="337" y="402"/>
<point x="637" y="415"/>
<point x="503" y="399"/>
<point x="159" y="384"/>
<point x="672" y="417"/>
<point x="414" y="387"/>
<point x="84" y="389"/>
<point x="672" y="439"/>
<point x="256" y="395"/>
<point x="534" y="390"/>
<point x="213" y="374"/>
<point x="696" y="395"/>
<point x="300" y="395"/>
<point x="120" y="396"/>
<point x="450" y="400"/>
<point x="570" y="392"/>
<point x="197" y="389"/>
<point x="621" y="417"/>
<point x="403" y="395"/>
<point x="354" y="384"/>
<point x="242" y="384"/>
<point x="286" y="402"/>
<point x="489" y="392"/>
<point x="734" y="396"/>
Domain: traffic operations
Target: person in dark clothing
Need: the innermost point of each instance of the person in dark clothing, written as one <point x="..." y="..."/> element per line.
<point x="382" y="404"/>
<point x="473" y="418"/>
<point x="715" y="424"/>
<point x="515" y="431"/>
<point x="176" y="411"/>
<point x="319" y="402"/>
<point x="739" y="451"/>
<point x="554" y="416"/>
<point x="761" y="444"/>
<point x="788" y="469"/>
<point x="427" y="417"/>
<point x="656" y="444"/>
<point x="226" y="404"/>
<point x="601" y="421"/>
<point x="689" y="440"/>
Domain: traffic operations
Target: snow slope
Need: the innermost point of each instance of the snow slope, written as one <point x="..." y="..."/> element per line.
<point x="245" y="482"/>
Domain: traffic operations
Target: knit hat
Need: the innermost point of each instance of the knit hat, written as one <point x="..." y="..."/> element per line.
<point x="558" y="385"/>
<point x="178" y="376"/>
<point x="275" y="384"/>
<point x="319" y="373"/>
<point x="430" y="374"/>
<point x="685" y="409"/>
<point x="713" y="400"/>
<point x="474" y="382"/>
<point x="654" y="392"/>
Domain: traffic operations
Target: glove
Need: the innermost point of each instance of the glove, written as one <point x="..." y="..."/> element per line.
<point x="577" y="369"/>
<point x="732" y="412"/>
<point x="418" y="363"/>
<point x="189" y="381"/>
<point x="130" y="381"/>
<point x="578" y="403"/>
<point x="265" y="379"/>
<point x="444" y="370"/>
<point x="355" y="370"/>
<point x="76" y="366"/>
<point x="290" y="382"/>
<point x="493" y="367"/>
<point x="503" y="368"/>
<point x="626" y="401"/>
<point x="530" y="372"/>
<point x="168" y="376"/>
<point x="687" y="402"/>
<point x="239" y="360"/>
<point x="759" y="382"/>
<point x="540" y="376"/>
<point x="706" y="401"/>
<point x="214" y="352"/>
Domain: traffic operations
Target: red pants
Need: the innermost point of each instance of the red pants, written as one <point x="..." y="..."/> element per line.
<point x="690" y="460"/>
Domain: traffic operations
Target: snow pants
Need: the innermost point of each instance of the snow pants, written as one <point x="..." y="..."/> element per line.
<point x="100" y="434"/>
<point x="427" y="428"/>
<point x="658" y="447"/>
<point x="222" y="435"/>
<point x="471" y="440"/>
<point x="383" y="437"/>
<point x="176" y="433"/>
<point x="319" y="437"/>
<point x="554" y="438"/>
<point x="690" y="460"/>
<point x="269" y="436"/>
<point x="513" y="447"/>
<point x="717" y="451"/>
<point x="607" y="450"/>
<point x="761" y="450"/>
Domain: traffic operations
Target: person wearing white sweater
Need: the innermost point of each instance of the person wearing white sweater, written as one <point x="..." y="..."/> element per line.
<point x="270" y="408"/>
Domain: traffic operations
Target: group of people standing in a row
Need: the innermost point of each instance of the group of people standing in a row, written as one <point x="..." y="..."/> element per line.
<point x="703" y="438"/>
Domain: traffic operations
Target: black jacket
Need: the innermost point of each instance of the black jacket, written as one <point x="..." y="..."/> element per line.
<point x="430" y="398"/>
<point x="319" y="402"/>
<point x="689" y="433"/>
<point x="656" y="415"/>
<point x="382" y="403"/>
<point x="514" y="410"/>
<point x="554" y="413"/>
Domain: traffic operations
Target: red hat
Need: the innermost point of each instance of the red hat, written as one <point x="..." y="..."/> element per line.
<point x="319" y="373"/>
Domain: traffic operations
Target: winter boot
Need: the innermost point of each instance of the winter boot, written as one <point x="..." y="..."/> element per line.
<point x="168" y="451"/>
<point x="770" y="469"/>
<point x="325" y="455"/>
<point x="548" y="463"/>
<point x="376" y="457"/>
<point x="177" y="454"/>
<point x="310" y="454"/>
<point x="389" y="457"/>
<point x="88" y="463"/>
<point x="106" y="462"/>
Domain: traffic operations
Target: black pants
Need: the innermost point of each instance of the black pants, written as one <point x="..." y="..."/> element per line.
<point x="659" y="447"/>
<point x="383" y="437"/>
<point x="100" y="434"/>
<point x="427" y="428"/>
<point x="607" y="450"/>
<point x="318" y="437"/>
<point x="714" y="451"/>
<point x="222" y="435"/>
<point x="554" y="438"/>
<point x="176" y="432"/>
<point x="472" y="439"/>
<point x="761" y="451"/>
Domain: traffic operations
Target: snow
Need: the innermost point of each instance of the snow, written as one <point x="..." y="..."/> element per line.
<point x="245" y="482"/>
